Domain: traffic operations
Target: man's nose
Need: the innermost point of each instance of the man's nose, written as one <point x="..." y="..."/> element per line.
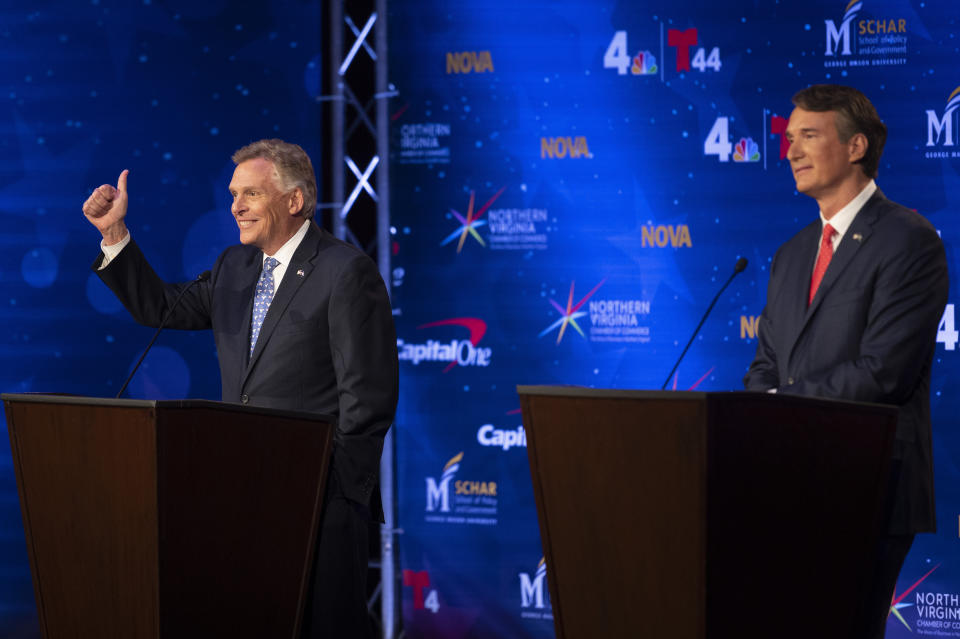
<point x="794" y="151"/>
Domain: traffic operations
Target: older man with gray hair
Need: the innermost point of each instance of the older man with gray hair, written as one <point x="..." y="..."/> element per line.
<point x="301" y="321"/>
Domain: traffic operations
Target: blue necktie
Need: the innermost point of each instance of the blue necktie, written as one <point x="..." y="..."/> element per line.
<point x="262" y="299"/>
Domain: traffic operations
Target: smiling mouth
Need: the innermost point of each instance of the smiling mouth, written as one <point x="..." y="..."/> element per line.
<point x="245" y="224"/>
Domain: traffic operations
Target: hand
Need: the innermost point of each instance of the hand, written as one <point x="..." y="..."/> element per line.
<point x="106" y="207"/>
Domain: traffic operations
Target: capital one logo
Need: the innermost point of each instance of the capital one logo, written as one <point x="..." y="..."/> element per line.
<point x="533" y="592"/>
<point x="837" y="36"/>
<point x="438" y="492"/>
<point x="942" y="126"/>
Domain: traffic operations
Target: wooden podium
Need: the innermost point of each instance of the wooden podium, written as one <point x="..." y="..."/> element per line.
<point x="706" y="515"/>
<point x="167" y="519"/>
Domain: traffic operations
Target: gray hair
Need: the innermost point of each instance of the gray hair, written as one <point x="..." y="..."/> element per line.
<point x="292" y="168"/>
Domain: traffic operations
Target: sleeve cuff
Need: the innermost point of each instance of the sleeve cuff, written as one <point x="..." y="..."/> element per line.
<point x="110" y="252"/>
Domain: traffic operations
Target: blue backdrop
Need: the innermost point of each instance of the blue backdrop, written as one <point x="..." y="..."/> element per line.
<point x="168" y="90"/>
<point x="571" y="183"/>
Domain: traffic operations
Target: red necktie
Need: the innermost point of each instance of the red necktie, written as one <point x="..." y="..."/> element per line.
<point x="823" y="260"/>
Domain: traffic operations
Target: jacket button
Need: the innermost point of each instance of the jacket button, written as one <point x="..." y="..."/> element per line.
<point x="244" y="399"/>
<point x="789" y="383"/>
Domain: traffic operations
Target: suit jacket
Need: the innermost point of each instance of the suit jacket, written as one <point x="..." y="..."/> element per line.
<point x="869" y="334"/>
<point x="327" y="343"/>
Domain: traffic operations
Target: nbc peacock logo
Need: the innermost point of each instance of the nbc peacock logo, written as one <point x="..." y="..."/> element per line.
<point x="644" y="63"/>
<point x="746" y="150"/>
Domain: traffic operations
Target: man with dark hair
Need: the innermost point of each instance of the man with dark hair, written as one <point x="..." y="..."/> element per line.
<point x="301" y="321"/>
<point x="853" y="305"/>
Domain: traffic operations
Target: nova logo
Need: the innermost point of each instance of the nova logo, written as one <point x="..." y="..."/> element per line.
<point x="438" y="493"/>
<point x="570" y="314"/>
<point x="533" y="591"/>
<point x="463" y="352"/>
<point x="562" y="147"/>
<point x="661" y="235"/>
<point x="841" y="36"/>
<point x="942" y="127"/>
<point x="469" y="62"/>
<point x="471" y="222"/>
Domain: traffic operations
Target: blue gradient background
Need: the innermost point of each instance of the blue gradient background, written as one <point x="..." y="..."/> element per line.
<point x="646" y="136"/>
<point x="168" y="90"/>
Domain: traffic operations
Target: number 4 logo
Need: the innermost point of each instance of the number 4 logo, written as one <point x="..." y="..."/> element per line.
<point x="718" y="140"/>
<point x="946" y="333"/>
<point x="616" y="56"/>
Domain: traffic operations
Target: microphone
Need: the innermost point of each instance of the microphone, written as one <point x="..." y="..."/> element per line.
<point x="203" y="277"/>
<point x="737" y="269"/>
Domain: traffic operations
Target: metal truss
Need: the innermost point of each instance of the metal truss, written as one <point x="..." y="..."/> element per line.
<point x="355" y="205"/>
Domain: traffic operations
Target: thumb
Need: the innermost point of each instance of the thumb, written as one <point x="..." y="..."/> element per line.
<point x="122" y="183"/>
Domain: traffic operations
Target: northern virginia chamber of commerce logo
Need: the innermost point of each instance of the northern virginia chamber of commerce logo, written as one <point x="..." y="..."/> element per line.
<point x="873" y="41"/>
<point x="508" y="229"/>
<point x="937" y="613"/>
<point x="460" y="501"/>
<point x="424" y="142"/>
<point x="456" y="352"/>
<point x="534" y="594"/>
<point x="610" y="320"/>
<point x="942" y="130"/>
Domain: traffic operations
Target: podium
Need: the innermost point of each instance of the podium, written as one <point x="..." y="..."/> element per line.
<point x="691" y="515"/>
<point x="167" y="519"/>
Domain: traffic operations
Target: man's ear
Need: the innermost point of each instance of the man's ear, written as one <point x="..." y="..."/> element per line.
<point x="857" y="146"/>
<point x="295" y="201"/>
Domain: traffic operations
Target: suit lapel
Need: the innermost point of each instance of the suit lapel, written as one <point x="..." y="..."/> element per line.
<point x="297" y="272"/>
<point x="797" y="287"/>
<point x="856" y="236"/>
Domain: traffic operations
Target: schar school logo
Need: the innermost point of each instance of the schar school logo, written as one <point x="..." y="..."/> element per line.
<point x="534" y="594"/>
<point x="570" y="314"/>
<point x="471" y="222"/>
<point x="941" y="131"/>
<point x="879" y="41"/>
<point x="465" y="352"/>
<point x="460" y="501"/>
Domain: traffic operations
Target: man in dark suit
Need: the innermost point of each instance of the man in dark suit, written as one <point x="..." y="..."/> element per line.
<point x="301" y="321"/>
<point x="853" y="306"/>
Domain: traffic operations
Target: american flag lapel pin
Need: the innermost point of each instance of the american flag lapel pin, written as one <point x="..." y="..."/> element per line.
<point x="857" y="237"/>
<point x="300" y="272"/>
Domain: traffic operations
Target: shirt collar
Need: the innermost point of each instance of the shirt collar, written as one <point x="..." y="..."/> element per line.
<point x="285" y="254"/>
<point x="843" y="218"/>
